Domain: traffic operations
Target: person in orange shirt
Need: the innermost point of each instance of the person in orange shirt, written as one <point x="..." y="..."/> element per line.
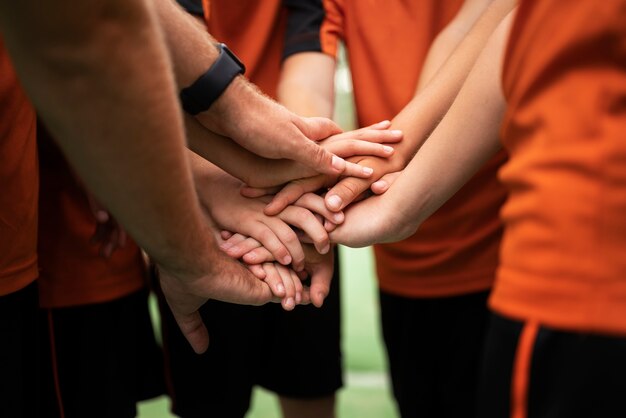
<point x="20" y="352"/>
<point x="265" y="37"/>
<point x="95" y="301"/>
<point x="433" y="286"/>
<point x="556" y="341"/>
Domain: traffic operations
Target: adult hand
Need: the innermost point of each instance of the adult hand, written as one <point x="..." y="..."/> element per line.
<point x="223" y="279"/>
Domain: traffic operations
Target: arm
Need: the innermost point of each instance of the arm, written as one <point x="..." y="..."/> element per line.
<point x="91" y="57"/>
<point x="449" y="38"/>
<point x="417" y="120"/>
<point x="242" y="112"/>
<point x="453" y="153"/>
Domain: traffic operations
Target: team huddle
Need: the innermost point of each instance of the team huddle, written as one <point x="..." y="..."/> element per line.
<point x="186" y="150"/>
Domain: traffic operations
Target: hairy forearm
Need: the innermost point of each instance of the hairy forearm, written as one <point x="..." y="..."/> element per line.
<point x="118" y="124"/>
<point x="423" y="113"/>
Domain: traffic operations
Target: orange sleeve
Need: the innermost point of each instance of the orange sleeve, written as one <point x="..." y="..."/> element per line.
<point x="331" y="31"/>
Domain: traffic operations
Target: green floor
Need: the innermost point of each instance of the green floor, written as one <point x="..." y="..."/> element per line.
<point x="366" y="392"/>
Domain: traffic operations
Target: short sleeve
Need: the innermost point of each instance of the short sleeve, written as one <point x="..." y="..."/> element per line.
<point x="304" y="21"/>
<point x="332" y="29"/>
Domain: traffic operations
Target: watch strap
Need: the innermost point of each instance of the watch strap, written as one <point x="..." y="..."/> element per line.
<point x="209" y="86"/>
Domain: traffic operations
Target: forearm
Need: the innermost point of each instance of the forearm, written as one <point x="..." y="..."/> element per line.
<point x="117" y="123"/>
<point x="423" y="113"/>
<point x="307" y="84"/>
<point x="461" y="143"/>
<point x="450" y="37"/>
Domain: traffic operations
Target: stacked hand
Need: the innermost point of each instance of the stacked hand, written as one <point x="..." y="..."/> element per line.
<point x="287" y="244"/>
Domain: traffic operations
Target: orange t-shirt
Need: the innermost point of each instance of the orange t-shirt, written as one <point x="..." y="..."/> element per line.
<point x="563" y="259"/>
<point x="255" y="31"/>
<point x="19" y="182"/>
<point x="71" y="270"/>
<point x="456" y="250"/>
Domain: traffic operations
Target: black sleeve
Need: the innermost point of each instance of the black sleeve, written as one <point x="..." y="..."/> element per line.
<point x="304" y="20"/>
<point x="193" y="7"/>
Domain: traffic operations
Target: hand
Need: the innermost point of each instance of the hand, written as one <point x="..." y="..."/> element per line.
<point x="292" y="191"/>
<point x="373" y="220"/>
<point x="223" y="279"/>
<point x="234" y="212"/>
<point x="318" y="267"/>
<point x="268" y="129"/>
<point x="109" y="234"/>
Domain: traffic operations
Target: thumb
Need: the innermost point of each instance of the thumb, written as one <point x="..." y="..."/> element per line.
<point x="193" y="329"/>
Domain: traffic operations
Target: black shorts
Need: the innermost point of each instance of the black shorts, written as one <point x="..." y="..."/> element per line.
<point x="532" y="371"/>
<point x="434" y="347"/>
<point x="26" y="379"/>
<point x="295" y="354"/>
<point x="89" y="361"/>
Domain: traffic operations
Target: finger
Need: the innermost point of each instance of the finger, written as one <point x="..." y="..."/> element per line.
<point x="274" y="280"/>
<point x="329" y="226"/>
<point x="298" y="284"/>
<point x="226" y="234"/>
<point x="194" y="330"/>
<point x="253" y="192"/>
<point x="316" y="204"/>
<point x="312" y="154"/>
<point x="320" y="283"/>
<point x="382" y="185"/>
<point x="345" y="192"/>
<point x="289" y="238"/>
<point x="351" y="147"/>
<point x="245" y="246"/>
<point x="289" y="301"/>
<point x="232" y="241"/>
<point x="379" y="136"/>
<point x="258" y="256"/>
<point x="308" y="223"/>
<point x="257" y="270"/>
<point x="356" y="170"/>
<point x="292" y="192"/>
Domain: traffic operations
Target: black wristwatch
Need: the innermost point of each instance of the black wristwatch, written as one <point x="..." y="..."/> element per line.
<point x="205" y="90"/>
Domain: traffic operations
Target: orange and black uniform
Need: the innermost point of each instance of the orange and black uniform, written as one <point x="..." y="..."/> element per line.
<point x="20" y="356"/>
<point x="220" y="382"/>
<point x="559" y="328"/>
<point x="102" y="343"/>
<point x="433" y="285"/>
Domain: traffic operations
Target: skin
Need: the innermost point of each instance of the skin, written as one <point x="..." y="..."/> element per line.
<point x="419" y="117"/>
<point x="460" y="147"/>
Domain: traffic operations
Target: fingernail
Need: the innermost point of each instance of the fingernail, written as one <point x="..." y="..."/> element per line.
<point x="368" y="170"/>
<point x="289" y="303"/>
<point x="286" y="260"/>
<point x="387" y="149"/>
<point x="334" y="202"/>
<point x="298" y="297"/>
<point x="321" y="296"/>
<point x="251" y="257"/>
<point x="384" y="122"/>
<point x="338" y="217"/>
<point x="396" y="132"/>
<point x="338" y="163"/>
<point x="325" y="249"/>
